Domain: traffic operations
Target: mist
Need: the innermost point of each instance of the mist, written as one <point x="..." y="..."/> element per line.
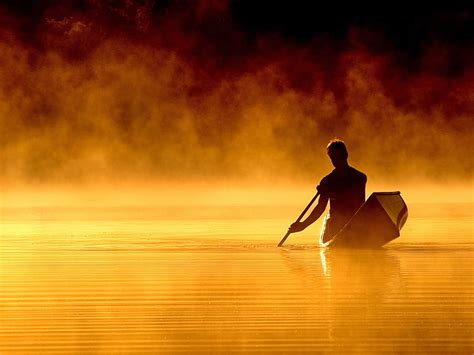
<point x="180" y="93"/>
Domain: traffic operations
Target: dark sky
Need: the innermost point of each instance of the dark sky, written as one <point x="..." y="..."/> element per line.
<point x="399" y="25"/>
<point x="403" y="24"/>
<point x="400" y="21"/>
<point x="229" y="32"/>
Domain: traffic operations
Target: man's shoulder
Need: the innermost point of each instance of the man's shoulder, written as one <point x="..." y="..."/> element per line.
<point x="324" y="186"/>
<point x="354" y="174"/>
<point x="358" y="174"/>
<point x="328" y="177"/>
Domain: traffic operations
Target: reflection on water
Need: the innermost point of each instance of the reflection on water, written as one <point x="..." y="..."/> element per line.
<point x="203" y="285"/>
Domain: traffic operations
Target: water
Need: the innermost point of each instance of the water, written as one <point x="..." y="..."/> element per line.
<point x="211" y="280"/>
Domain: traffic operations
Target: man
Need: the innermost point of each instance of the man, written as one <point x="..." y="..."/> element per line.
<point x="344" y="187"/>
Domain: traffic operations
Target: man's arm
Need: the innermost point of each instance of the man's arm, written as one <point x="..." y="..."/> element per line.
<point x="313" y="217"/>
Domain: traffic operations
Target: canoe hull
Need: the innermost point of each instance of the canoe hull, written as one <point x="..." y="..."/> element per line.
<point x="377" y="222"/>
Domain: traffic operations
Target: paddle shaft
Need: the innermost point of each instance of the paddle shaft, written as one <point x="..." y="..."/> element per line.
<point x="299" y="218"/>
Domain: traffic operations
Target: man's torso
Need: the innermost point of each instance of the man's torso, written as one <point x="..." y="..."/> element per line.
<point x="346" y="192"/>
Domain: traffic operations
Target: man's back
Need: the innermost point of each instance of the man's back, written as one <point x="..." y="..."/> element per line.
<point x="345" y="189"/>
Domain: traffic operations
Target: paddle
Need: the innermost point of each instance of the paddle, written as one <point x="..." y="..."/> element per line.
<point x="299" y="218"/>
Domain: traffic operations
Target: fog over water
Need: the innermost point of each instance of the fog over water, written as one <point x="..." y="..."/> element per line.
<point x="141" y="92"/>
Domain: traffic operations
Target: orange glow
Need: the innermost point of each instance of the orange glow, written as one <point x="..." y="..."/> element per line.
<point x="153" y="153"/>
<point x="109" y="108"/>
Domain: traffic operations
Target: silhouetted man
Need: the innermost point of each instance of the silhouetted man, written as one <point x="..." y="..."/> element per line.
<point x="344" y="187"/>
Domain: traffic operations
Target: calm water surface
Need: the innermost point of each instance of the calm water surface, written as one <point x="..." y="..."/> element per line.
<point x="212" y="281"/>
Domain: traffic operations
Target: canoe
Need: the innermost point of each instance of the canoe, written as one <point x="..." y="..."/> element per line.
<point x="378" y="221"/>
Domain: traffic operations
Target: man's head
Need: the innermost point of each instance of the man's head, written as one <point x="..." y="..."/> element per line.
<point x="337" y="152"/>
